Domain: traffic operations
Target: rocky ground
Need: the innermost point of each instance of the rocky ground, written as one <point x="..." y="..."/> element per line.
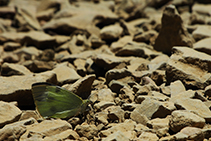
<point x="144" y="64"/>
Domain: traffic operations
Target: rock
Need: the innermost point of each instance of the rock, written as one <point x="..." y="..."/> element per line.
<point x="9" y="113"/>
<point x="68" y="134"/>
<point x="138" y="117"/>
<point x="126" y="94"/>
<point x="66" y="74"/>
<point x="172" y="32"/>
<point x="147" y="136"/>
<point x="194" y="105"/>
<point x="103" y="105"/>
<point x="38" y="66"/>
<point x="182" y="118"/>
<point x="28" y="53"/>
<point x="45" y="129"/>
<point x="88" y="131"/>
<point x="102" y="117"/>
<point x="15" y="130"/>
<point x="115" y="86"/>
<point x="176" y="88"/>
<point x="197" y="18"/>
<point x="192" y="76"/>
<point x="20" y="87"/>
<point x="158" y="95"/>
<point x="158" y="123"/>
<point x="29" y="114"/>
<point x="158" y="63"/>
<point x="80" y="66"/>
<point x="153" y="108"/>
<point x="146" y="36"/>
<point x="10" y="46"/>
<point x="202" y="32"/>
<point x="10" y="57"/>
<point x="203" y="46"/>
<point x="115" y="46"/>
<point x="193" y="133"/>
<point x="208" y="91"/>
<point x="117" y="136"/>
<point x="115" y="113"/>
<point x="202" y="8"/>
<point x="105" y="95"/>
<point x="10" y="69"/>
<point x="82" y="87"/>
<point x="111" y="32"/>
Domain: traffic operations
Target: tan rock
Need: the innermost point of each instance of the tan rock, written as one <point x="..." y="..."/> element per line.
<point x="20" y="87"/>
<point x="182" y="118"/>
<point x="46" y="128"/>
<point x="88" y="131"/>
<point x="115" y="46"/>
<point x="203" y="45"/>
<point x="158" y="123"/>
<point x="15" y="130"/>
<point x="138" y="117"/>
<point x="148" y="136"/>
<point x="105" y="95"/>
<point x="38" y="66"/>
<point x="115" y="113"/>
<point x="111" y="32"/>
<point x="9" y="113"/>
<point x="201" y="32"/>
<point x="116" y="136"/>
<point x="29" y="114"/>
<point x="202" y="8"/>
<point x="102" y="117"/>
<point x="176" y="88"/>
<point x="80" y="66"/>
<point x="208" y="91"/>
<point x="172" y="32"/>
<point x="10" y="46"/>
<point x="193" y="133"/>
<point x="103" y="105"/>
<point x="9" y="69"/>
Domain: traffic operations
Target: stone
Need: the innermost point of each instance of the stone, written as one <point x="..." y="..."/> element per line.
<point x="115" y="113"/>
<point x="103" y="105"/>
<point x="10" y="57"/>
<point x="148" y="136"/>
<point x="38" y="66"/>
<point x="193" y="133"/>
<point x="145" y="36"/>
<point x="105" y="95"/>
<point x="208" y="91"/>
<point x="88" y="131"/>
<point x="202" y="32"/>
<point x="190" y="67"/>
<point x="9" y="113"/>
<point x="158" y="63"/>
<point x="203" y="46"/>
<point x="80" y="66"/>
<point x="158" y="123"/>
<point x="182" y="118"/>
<point x="115" y="46"/>
<point x="158" y="95"/>
<point x="15" y="130"/>
<point x="116" y="85"/>
<point x="20" y="87"/>
<point x="138" y="117"/>
<point x="10" y="46"/>
<point x="202" y="8"/>
<point x="117" y="136"/>
<point x="66" y="74"/>
<point x="9" y="69"/>
<point x="176" y="88"/>
<point x="172" y="32"/>
<point x="102" y="117"/>
<point x="111" y="32"/>
<point x="126" y="94"/>
<point x="28" y="53"/>
<point x="46" y="128"/>
<point x="26" y="114"/>
<point x="82" y="87"/>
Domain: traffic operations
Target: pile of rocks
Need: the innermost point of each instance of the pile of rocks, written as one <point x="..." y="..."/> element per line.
<point x="145" y="65"/>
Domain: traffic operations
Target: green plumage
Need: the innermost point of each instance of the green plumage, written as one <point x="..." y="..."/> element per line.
<point x="57" y="102"/>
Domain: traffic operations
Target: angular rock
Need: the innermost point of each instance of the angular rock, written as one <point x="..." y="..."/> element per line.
<point x="193" y="133"/>
<point x="203" y="46"/>
<point x="66" y="74"/>
<point x="10" y="46"/>
<point x="9" y="113"/>
<point x="173" y="32"/>
<point x="148" y="136"/>
<point x="15" y="130"/>
<point x="115" y="46"/>
<point x="82" y="87"/>
<point x="138" y="117"/>
<point x="208" y="91"/>
<point x="26" y="114"/>
<point x="176" y="88"/>
<point x="158" y="123"/>
<point x="115" y="113"/>
<point x="88" y="131"/>
<point x="9" y="69"/>
<point x="103" y="105"/>
<point x="182" y="118"/>
<point x="111" y="32"/>
<point x="105" y="95"/>
<point x="45" y="129"/>
<point x="117" y="136"/>
<point x="202" y="8"/>
<point x="102" y="117"/>
<point x="38" y="66"/>
<point x="18" y="88"/>
<point x="189" y="66"/>
<point x="201" y="32"/>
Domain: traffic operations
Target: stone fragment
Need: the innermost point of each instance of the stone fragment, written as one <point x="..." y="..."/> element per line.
<point x="111" y="32"/>
<point x="189" y="66"/>
<point x="88" y="131"/>
<point x="115" y="86"/>
<point x="15" y="130"/>
<point x="208" y="91"/>
<point x="193" y="133"/>
<point x="45" y="129"/>
<point x="80" y="66"/>
<point x="176" y="88"/>
<point x="115" y="113"/>
<point x="173" y="32"/>
<point x="148" y="136"/>
<point x="115" y="46"/>
<point x="182" y="118"/>
<point x="138" y="117"/>
<point x="9" y="69"/>
<point x="117" y="136"/>
<point x="18" y="88"/>
<point x="103" y="105"/>
<point x="66" y="74"/>
<point x="158" y="123"/>
<point x="102" y="117"/>
<point x="10" y="46"/>
<point x="82" y="87"/>
<point x="158" y="63"/>
<point x="203" y="46"/>
<point x="29" y="114"/>
<point x="9" y="113"/>
<point x="38" y="66"/>
<point x="202" y="8"/>
<point x="105" y="95"/>
<point x="201" y="32"/>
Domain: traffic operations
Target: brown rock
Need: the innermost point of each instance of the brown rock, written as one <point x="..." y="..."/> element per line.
<point x="208" y="91"/>
<point x="189" y="66"/>
<point x="172" y="33"/>
<point x="9" y="113"/>
<point x="203" y="46"/>
<point x="182" y="118"/>
<point x="80" y="66"/>
<point x="10" y="46"/>
<point x="38" y="66"/>
<point x="88" y="131"/>
<point x="45" y="129"/>
<point x="82" y="87"/>
<point x="9" y="69"/>
<point x="20" y="87"/>
<point x="15" y="130"/>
